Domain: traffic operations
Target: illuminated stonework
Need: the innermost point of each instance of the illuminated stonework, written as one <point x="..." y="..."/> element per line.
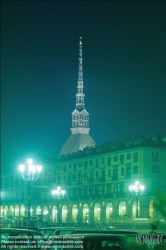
<point x="80" y="130"/>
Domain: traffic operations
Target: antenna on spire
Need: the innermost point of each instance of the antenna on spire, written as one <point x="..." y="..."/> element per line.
<point x="80" y="40"/>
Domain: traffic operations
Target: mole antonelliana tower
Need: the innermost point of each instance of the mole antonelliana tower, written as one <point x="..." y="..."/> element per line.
<point x="80" y="137"/>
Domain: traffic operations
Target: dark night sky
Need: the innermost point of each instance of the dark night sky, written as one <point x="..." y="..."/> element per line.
<point x="124" y="58"/>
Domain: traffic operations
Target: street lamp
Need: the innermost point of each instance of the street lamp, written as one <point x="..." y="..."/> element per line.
<point x="58" y="193"/>
<point x="30" y="172"/>
<point x="137" y="190"/>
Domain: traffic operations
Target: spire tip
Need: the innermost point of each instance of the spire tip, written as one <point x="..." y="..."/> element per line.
<point x="80" y="40"/>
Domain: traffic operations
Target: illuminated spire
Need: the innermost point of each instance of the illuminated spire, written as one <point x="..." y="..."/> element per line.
<point x="80" y="96"/>
<point x="80" y="117"/>
<point x="80" y="137"/>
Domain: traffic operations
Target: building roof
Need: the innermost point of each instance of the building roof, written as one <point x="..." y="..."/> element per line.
<point x="76" y="142"/>
<point x="153" y="141"/>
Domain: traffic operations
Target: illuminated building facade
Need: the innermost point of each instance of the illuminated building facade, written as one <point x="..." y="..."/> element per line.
<point x="96" y="181"/>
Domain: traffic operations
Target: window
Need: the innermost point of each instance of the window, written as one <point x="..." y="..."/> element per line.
<point x="64" y="168"/>
<point x="135" y="169"/>
<point x="75" y="192"/>
<point x="115" y="189"/>
<point x="85" y="165"/>
<point x="59" y="178"/>
<point x="128" y="172"/>
<point x="135" y="156"/>
<point x="103" y="174"/>
<point x="45" y="181"/>
<point x="80" y="164"/>
<point x="91" y="176"/>
<point x="74" y="166"/>
<point x="69" y="193"/>
<point x="103" y="160"/>
<point x="90" y="190"/>
<point x="155" y="169"/>
<point x="103" y="190"/>
<point x="85" y="176"/>
<point x="155" y="156"/>
<point x="122" y="187"/>
<point x="85" y="190"/>
<point x="115" y="172"/>
<point x="97" y="174"/>
<point x="109" y="188"/>
<point x="70" y="166"/>
<point x="50" y="181"/>
<point x="115" y="158"/>
<point x="96" y="189"/>
<point x="97" y="163"/>
<point x="122" y="171"/>
<point x="74" y="177"/>
<point x="80" y="177"/>
<point x="69" y="179"/>
<point x="79" y="191"/>
<point x="128" y="156"/>
<point x="121" y="159"/>
<point x="90" y="162"/>
<point x="109" y="161"/>
<point x="109" y="172"/>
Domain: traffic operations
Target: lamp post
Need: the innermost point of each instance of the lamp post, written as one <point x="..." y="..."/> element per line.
<point x="30" y="172"/>
<point x="137" y="190"/>
<point x="58" y="194"/>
